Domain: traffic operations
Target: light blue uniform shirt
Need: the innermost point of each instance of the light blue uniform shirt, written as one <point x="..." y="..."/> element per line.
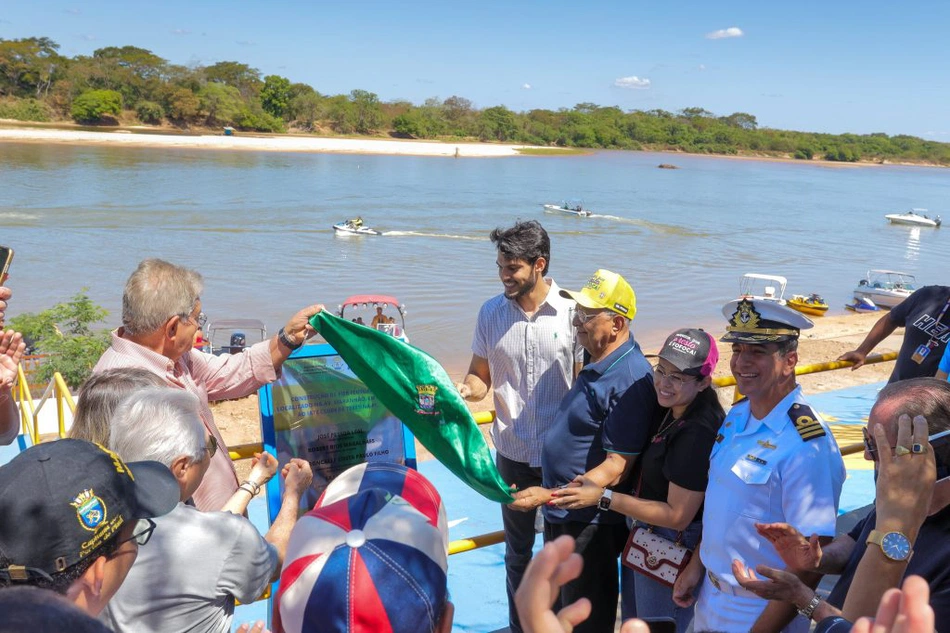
<point x="783" y="468"/>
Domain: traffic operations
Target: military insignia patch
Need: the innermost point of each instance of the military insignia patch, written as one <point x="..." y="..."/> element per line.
<point x="720" y="437"/>
<point x="766" y="444"/>
<point x="90" y="510"/>
<point x="806" y="423"/>
<point x="756" y="460"/>
<point x="746" y="317"/>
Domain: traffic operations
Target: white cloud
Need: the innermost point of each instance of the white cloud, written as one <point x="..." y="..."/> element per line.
<point x="633" y="82"/>
<point x="181" y="32"/>
<point x="702" y="66"/>
<point x="88" y="38"/>
<point x="246" y="43"/>
<point x="732" y="31"/>
<point x="526" y="86"/>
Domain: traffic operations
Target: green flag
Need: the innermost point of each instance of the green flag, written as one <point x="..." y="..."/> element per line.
<point x="415" y="388"/>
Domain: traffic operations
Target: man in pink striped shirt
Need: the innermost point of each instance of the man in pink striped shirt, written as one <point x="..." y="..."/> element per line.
<point x="161" y="310"/>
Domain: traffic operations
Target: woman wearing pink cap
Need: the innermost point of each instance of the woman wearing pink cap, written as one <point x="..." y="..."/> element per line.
<point x="669" y="477"/>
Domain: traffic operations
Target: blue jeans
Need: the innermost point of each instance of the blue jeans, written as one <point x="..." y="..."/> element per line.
<point x="654" y="599"/>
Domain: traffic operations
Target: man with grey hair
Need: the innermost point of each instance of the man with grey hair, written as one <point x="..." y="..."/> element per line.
<point x="197" y="563"/>
<point x="161" y="311"/>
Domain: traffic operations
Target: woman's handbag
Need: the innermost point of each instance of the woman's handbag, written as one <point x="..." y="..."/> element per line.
<point x="655" y="556"/>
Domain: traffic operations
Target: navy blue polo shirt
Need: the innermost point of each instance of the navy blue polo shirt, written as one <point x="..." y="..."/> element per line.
<point x="608" y="409"/>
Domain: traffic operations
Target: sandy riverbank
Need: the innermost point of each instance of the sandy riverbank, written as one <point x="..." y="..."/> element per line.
<point x="831" y="337"/>
<point x="289" y="143"/>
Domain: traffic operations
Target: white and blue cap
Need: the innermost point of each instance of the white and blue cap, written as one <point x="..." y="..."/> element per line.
<point x="759" y="322"/>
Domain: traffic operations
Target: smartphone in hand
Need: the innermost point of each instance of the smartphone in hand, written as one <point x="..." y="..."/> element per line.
<point x="661" y="625"/>
<point x="6" y="258"/>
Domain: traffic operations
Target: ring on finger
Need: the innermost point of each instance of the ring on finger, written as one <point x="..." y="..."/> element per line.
<point x="918" y="449"/>
<point x="901" y="450"/>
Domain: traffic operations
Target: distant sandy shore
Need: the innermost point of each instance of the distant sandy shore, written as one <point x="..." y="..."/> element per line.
<point x="262" y="143"/>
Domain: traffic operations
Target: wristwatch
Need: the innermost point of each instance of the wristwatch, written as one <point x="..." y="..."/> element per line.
<point x="809" y="608"/>
<point x="604" y="503"/>
<point x="282" y="337"/>
<point x="895" y="545"/>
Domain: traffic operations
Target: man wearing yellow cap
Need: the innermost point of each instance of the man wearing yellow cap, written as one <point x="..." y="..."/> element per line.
<point x="774" y="460"/>
<point x="600" y="427"/>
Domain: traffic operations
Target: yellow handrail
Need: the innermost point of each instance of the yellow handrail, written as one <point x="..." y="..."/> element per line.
<point x="814" y="368"/>
<point x="482" y="540"/>
<point x="25" y="400"/>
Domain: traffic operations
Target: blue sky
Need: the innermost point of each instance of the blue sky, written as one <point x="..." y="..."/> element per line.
<point x="833" y="66"/>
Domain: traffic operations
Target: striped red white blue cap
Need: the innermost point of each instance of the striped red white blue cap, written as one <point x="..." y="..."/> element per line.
<point x="371" y="557"/>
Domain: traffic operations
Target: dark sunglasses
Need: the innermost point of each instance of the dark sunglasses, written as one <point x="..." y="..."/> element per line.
<point x="142" y="532"/>
<point x="211" y="445"/>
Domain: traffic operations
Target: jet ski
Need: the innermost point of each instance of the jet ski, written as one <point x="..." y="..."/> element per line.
<point x="353" y="227"/>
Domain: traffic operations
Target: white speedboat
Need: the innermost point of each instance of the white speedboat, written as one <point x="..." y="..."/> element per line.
<point x="763" y="288"/>
<point x="914" y="217"/>
<point x="886" y="288"/>
<point x="571" y="207"/>
<point x="348" y="228"/>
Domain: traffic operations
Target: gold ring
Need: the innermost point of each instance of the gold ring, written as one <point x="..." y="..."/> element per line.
<point x="918" y="449"/>
<point x="901" y="450"/>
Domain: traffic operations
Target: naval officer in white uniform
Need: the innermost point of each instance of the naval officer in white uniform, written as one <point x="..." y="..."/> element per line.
<point x="774" y="460"/>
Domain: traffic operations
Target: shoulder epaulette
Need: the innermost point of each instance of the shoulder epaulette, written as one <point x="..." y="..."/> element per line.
<point x="805" y="422"/>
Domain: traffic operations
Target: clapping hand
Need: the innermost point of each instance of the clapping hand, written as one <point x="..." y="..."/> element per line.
<point x="798" y="553"/>
<point x="781" y="585"/>
<point x="11" y="351"/>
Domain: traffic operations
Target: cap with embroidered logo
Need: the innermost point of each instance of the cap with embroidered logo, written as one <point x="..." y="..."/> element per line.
<point x="606" y="289"/>
<point x="62" y="500"/>
<point x="762" y="322"/>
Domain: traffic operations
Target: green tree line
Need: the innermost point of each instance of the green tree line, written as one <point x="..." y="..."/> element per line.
<point x="133" y="85"/>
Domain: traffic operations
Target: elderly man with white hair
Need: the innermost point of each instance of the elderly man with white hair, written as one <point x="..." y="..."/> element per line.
<point x="197" y="563"/>
<point x="161" y="312"/>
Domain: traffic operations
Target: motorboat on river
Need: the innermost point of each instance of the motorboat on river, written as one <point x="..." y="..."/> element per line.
<point x="571" y="207"/>
<point x="914" y="217"/>
<point x="360" y="305"/>
<point x="813" y="304"/>
<point x="353" y="227"/>
<point x="763" y="288"/>
<point x="886" y="288"/>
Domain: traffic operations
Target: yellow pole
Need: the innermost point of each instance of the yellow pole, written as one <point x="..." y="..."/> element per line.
<point x="482" y="540"/>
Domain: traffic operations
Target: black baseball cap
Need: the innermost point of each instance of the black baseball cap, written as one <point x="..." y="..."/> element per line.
<point x="691" y="350"/>
<point x="62" y="500"/>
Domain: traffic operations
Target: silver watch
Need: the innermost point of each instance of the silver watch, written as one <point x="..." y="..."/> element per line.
<point x="809" y="608"/>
